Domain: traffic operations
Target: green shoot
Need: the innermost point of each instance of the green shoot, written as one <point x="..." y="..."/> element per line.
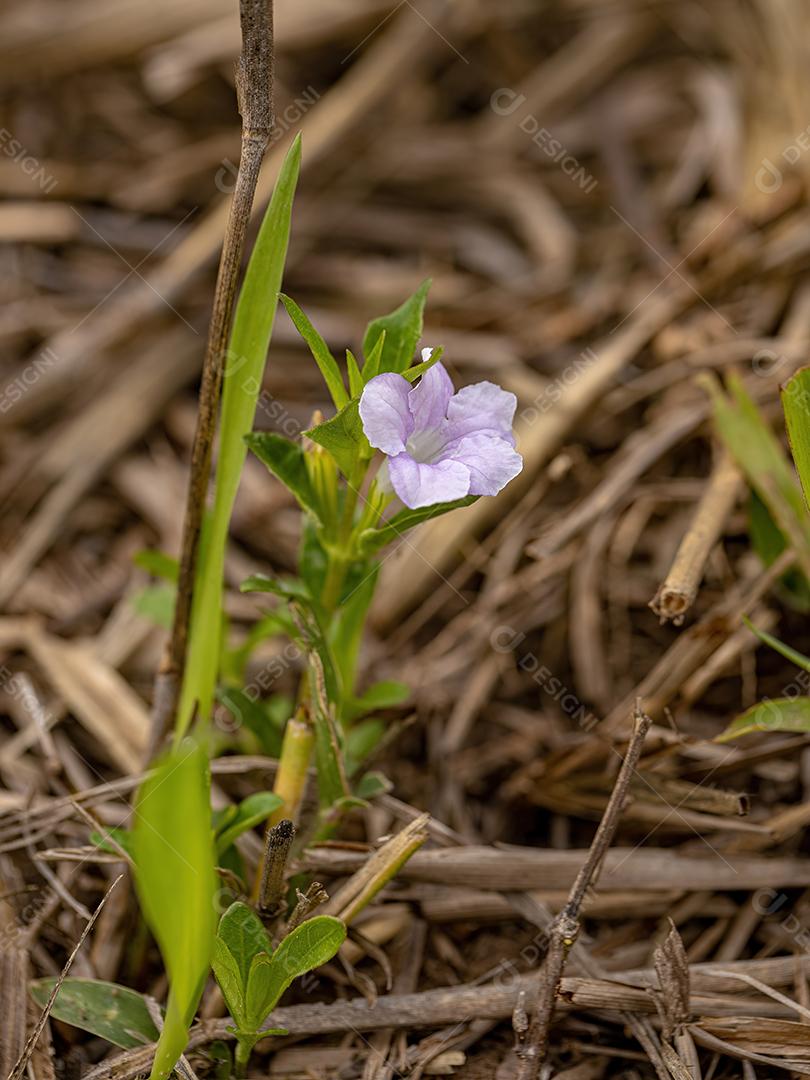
<point x="173" y="851"/>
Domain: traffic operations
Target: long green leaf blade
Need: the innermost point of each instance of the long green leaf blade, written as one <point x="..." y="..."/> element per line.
<point x="789" y="653"/>
<point x="320" y="351"/>
<point x="772" y="714"/>
<point x="250" y="339"/>
<point x="372" y="540"/>
<point x="173" y="850"/>
<point x="767" y="467"/>
<point x="796" y="403"/>
<point x="113" y="1012"/>
<point x="250" y="812"/>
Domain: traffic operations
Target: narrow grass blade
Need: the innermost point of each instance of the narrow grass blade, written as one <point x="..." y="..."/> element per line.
<point x="250" y="338"/>
<point x="772" y="714"/>
<point x="793" y="655"/>
<point x="767" y="467"/>
<point x="796" y="403"/>
<point x="173" y="849"/>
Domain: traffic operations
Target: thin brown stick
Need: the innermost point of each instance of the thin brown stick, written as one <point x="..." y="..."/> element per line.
<point x="254" y="88"/>
<point x="678" y="590"/>
<point x="19" y="1069"/>
<point x="565" y="928"/>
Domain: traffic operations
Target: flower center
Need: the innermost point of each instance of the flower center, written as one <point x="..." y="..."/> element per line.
<point x="425" y="446"/>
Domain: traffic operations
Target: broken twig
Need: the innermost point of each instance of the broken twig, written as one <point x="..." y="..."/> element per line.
<point x="565" y="928"/>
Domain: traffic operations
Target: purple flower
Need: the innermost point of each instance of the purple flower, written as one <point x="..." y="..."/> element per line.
<point x="441" y="445"/>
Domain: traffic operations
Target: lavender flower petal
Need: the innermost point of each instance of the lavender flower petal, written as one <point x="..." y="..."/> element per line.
<point x="440" y="446"/>
<point x="423" y="484"/>
<point x="384" y="411"/>
<point x="429" y="399"/>
<point x="482" y="406"/>
<point x="492" y="462"/>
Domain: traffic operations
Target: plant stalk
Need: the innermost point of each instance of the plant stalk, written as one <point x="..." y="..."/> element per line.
<point x="293" y="765"/>
<point x="254" y="86"/>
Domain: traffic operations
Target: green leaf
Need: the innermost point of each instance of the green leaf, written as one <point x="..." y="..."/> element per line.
<point x="286" y="588"/>
<point x="796" y="403"/>
<point x="768" y="542"/>
<point x="760" y="455"/>
<point x="412" y="374"/>
<point x="113" y="840"/>
<point x="403" y="328"/>
<point x="250" y="812"/>
<point x="320" y="351"/>
<point x="175" y="875"/>
<point x="793" y="655"/>
<point x="355" y="378"/>
<point x="260" y="987"/>
<point x="286" y="460"/>
<point x="372" y="540"/>
<point x="343" y="437"/>
<point x="242" y="932"/>
<point x="227" y="974"/>
<point x="106" y="1009"/>
<point x="157" y="564"/>
<point x="772" y="714"/>
<point x="361" y="739"/>
<point x="156" y="603"/>
<point x="373" y="361"/>
<point x="383" y="695"/>
<point x="311" y="944"/>
<point x="372" y="784"/>
<point x="250" y="339"/>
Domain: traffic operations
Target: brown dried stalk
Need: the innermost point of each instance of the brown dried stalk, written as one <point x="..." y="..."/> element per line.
<point x="254" y="88"/>
<point x="277" y="843"/>
<point x="565" y="928"/>
<point x="678" y="591"/>
<point x="495" y="1000"/>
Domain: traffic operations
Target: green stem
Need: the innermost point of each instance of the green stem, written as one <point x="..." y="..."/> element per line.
<point x="291" y="778"/>
<point x="335" y="573"/>
<point x="340" y="556"/>
<point x="244" y="1048"/>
